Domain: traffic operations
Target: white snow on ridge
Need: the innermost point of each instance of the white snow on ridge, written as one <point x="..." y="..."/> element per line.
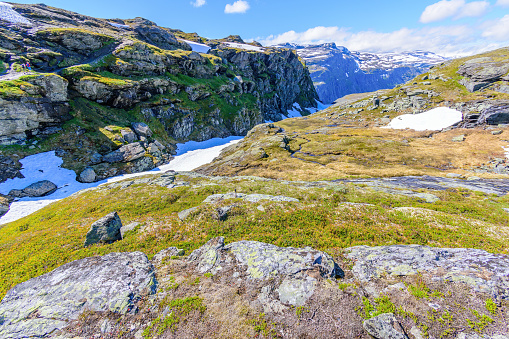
<point x="197" y="47"/>
<point x="114" y="24"/>
<point x="433" y="120"/>
<point x="244" y="46"/>
<point x="46" y="166"/>
<point x="10" y="15"/>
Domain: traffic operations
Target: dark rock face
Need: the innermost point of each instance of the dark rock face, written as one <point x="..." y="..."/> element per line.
<point x="9" y="169"/>
<point x="278" y="77"/>
<point x="105" y="230"/>
<point x="42" y="305"/>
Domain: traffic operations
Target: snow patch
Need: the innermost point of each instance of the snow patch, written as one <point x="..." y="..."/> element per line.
<point x="10" y="15"/>
<point x="434" y="120"/>
<point x="244" y="46"/>
<point x="200" y="48"/>
<point x="114" y="24"/>
<point x="46" y="166"/>
<point x="296" y="110"/>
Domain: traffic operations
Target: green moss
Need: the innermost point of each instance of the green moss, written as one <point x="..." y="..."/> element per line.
<point x="179" y="309"/>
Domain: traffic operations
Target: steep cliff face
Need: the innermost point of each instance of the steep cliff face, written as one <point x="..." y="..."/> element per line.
<point x="337" y="72"/>
<point x="101" y="76"/>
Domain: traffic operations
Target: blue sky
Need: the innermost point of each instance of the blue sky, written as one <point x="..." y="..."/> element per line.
<point x="447" y="27"/>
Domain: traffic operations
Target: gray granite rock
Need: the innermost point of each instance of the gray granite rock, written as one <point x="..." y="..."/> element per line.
<point x="125" y="153"/>
<point x="185" y="213"/>
<point x="127" y="228"/>
<point x="38" y="307"/>
<point x="263" y="262"/>
<point x="104" y="230"/>
<point x="482" y="271"/>
<point x="37" y="189"/>
<point x="384" y="326"/>
<point x="88" y="175"/>
<point x="142" y="129"/>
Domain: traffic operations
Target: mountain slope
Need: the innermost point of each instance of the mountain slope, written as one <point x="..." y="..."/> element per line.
<point x="92" y="79"/>
<point x="336" y="71"/>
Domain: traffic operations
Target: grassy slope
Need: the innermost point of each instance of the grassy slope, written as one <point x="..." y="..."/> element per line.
<point x="53" y="236"/>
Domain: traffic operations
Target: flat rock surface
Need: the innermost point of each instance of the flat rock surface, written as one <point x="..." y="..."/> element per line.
<point x="47" y="303"/>
<point x="481" y="270"/>
<point x="488" y="186"/>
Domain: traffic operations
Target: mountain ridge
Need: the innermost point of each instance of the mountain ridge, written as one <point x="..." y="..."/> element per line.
<point x="337" y="71"/>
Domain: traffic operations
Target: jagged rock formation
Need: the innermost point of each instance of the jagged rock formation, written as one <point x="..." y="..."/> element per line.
<point x="108" y="74"/>
<point x="337" y="72"/>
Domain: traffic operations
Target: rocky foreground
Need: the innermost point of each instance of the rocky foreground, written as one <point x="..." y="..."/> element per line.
<point x="288" y="292"/>
<point x="129" y="284"/>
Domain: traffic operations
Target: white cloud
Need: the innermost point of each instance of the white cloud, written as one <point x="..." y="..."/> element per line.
<point x="239" y="6"/>
<point x="497" y="29"/>
<point x="504" y="3"/>
<point x="444" y="40"/>
<point x="472" y="9"/>
<point x="454" y="8"/>
<point x="198" y="3"/>
<point x="441" y="10"/>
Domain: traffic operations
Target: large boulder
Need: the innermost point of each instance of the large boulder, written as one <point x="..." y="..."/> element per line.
<point x="88" y="175"/>
<point x="42" y="305"/>
<point x="142" y="129"/>
<point x="105" y="230"/>
<point x="126" y="153"/>
<point x="481" y="270"/>
<point x="37" y="189"/>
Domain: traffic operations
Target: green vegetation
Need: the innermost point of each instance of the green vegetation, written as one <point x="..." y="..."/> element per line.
<point x="382" y="304"/>
<point x="491" y="306"/>
<point x="482" y="321"/>
<point x="420" y="290"/>
<point x="53" y="236"/>
<point x="178" y="312"/>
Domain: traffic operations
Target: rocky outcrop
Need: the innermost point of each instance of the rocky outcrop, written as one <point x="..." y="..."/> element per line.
<point x="298" y="270"/>
<point x="480" y="270"/>
<point x="43" y="305"/>
<point x="39" y="103"/>
<point x="277" y="76"/>
<point x="105" y="230"/>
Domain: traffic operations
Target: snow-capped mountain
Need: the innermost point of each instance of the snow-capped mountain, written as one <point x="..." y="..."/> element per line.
<point x="336" y="71"/>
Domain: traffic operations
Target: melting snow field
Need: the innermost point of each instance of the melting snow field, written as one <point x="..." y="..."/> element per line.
<point x="433" y="120"/>
<point x="10" y="15"/>
<point x="200" y="48"/>
<point x="46" y="166"/>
